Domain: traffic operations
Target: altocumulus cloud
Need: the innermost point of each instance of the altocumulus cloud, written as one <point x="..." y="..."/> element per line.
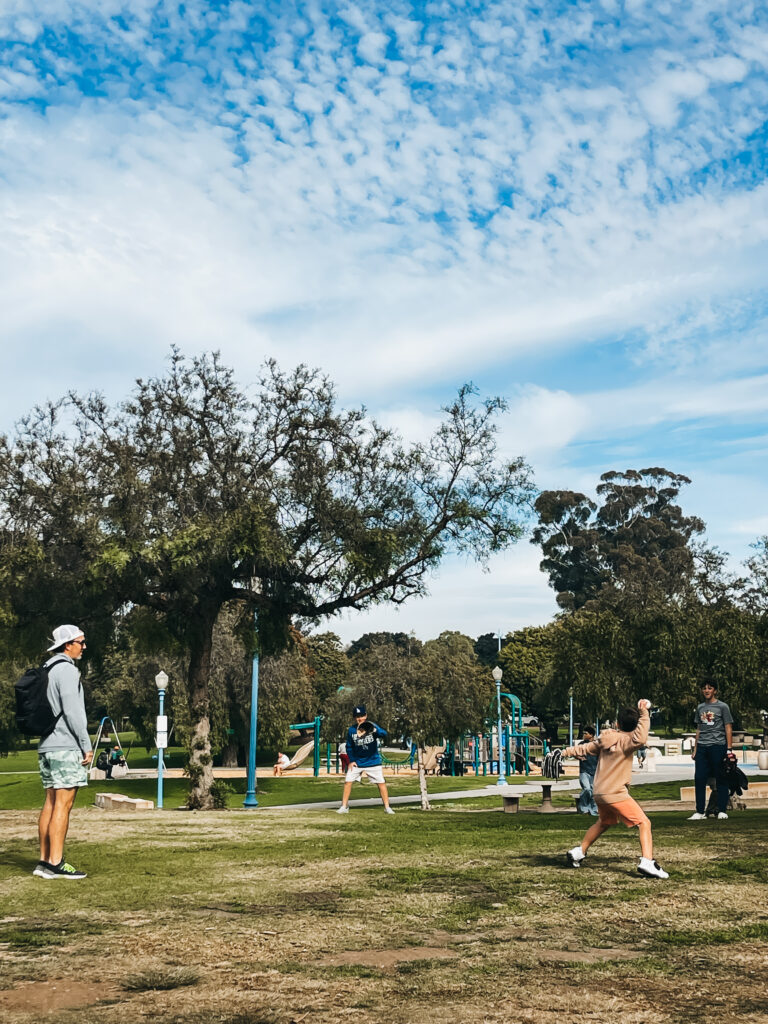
<point x="405" y="193"/>
<point x="300" y="173"/>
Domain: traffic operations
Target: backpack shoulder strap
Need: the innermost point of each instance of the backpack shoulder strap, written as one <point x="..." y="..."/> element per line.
<point x="60" y="661"/>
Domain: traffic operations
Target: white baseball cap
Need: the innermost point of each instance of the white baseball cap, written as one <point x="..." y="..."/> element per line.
<point x="65" y="635"/>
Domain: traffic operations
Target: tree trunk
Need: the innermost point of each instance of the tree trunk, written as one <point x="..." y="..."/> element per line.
<point x="200" y="767"/>
<point x="229" y="755"/>
<point x="425" y="806"/>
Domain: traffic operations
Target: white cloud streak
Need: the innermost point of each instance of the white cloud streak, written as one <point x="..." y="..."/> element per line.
<point x="406" y="201"/>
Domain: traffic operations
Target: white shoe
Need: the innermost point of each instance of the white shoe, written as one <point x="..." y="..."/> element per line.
<point x="697" y="817"/>
<point x="388" y="810"/>
<point x="651" y="869"/>
<point x="342" y="810"/>
<point x="722" y="816"/>
<point x="575" y="856"/>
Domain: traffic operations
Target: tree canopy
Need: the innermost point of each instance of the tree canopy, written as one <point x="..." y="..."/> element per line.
<point x="648" y="609"/>
<point x="195" y="493"/>
<point x="635" y="540"/>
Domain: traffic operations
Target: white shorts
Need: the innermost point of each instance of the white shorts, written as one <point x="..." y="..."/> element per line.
<point x="375" y="773"/>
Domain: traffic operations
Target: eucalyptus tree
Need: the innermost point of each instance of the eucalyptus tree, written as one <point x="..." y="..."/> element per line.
<point x="195" y="493"/>
<point x="629" y="574"/>
<point x="634" y="541"/>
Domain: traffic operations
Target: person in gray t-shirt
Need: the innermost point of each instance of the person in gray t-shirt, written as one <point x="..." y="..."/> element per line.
<point x="64" y="754"/>
<point x="714" y="736"/>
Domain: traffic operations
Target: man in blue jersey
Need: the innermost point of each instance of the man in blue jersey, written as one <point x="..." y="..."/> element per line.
<point x="362" y="746"/>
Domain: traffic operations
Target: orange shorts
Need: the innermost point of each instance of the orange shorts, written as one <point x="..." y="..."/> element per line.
<point x="628" y="811"/>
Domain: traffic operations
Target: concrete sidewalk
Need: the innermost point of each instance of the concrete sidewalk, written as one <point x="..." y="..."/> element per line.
<point x="680" y="772"/>
<point x="415" y="798"/>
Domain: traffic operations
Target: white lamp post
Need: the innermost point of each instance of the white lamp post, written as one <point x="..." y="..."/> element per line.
<point x="497" y="674"/>
<point x="570" y="717"/>
<point x="161" y="682"/>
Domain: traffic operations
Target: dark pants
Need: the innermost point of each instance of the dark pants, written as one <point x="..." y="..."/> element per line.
<point x="709" y="762"/>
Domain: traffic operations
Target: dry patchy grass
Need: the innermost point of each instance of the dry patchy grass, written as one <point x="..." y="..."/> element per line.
<point x="266" y="918"/>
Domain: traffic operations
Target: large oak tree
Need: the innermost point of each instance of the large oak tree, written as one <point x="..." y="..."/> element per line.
<point x="195" y="493"/>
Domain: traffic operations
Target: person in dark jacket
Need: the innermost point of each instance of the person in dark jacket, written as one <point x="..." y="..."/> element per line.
<point x="362" y="749"/>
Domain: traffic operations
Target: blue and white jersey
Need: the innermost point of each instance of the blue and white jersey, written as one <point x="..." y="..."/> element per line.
<point x="364" y="750"/>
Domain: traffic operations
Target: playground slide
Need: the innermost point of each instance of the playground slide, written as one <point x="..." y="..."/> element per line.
<point x="300" y="756"/>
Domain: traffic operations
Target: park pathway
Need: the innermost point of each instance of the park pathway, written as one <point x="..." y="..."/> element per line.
<point x="669" y="773"/>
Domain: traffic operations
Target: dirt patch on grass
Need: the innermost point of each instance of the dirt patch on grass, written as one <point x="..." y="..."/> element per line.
<point x="586" y="956"/>
<point x="50" y="996"/>
<point x="386" y="959"/>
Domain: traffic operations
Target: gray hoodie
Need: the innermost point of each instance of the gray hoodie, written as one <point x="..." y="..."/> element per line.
<point x="65" y="695"/>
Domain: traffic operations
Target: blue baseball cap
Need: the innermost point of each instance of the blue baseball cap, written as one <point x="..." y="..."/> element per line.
<point x="360" y="710"/>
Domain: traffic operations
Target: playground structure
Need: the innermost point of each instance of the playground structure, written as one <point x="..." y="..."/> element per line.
<point x="481" y="752"/>
<point x="95" y="773"/>
<point x="332" y="758"/>
<point x="476" y="752"/>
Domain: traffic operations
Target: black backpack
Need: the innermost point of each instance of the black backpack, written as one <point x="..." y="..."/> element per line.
<point x="34" y="715"/>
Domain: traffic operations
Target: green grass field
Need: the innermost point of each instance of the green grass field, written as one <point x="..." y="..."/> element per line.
<point x="459" y="914"/>
<point x="24" y="792"/>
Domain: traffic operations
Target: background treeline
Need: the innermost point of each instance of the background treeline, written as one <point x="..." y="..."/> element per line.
<point x="647" y="608"/>
<point x="199" y="521"/>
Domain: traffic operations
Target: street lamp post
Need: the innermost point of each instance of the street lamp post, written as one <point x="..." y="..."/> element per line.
<point x="570" y="717"/>
<point x="250" y="795"/>
<point x="497" y="674"/>
<point x="161" y="682"/>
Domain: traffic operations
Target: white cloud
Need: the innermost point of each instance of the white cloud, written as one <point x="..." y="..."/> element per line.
<point x="406" y="224"/>
<point x="372" y="46"/>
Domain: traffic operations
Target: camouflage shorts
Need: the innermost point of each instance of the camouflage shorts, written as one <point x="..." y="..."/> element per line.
<point x="62" y="769"/>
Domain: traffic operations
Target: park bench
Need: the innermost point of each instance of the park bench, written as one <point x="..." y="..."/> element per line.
<point x="510" y="795"/>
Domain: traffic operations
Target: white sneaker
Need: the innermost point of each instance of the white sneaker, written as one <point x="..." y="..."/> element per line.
<point x="650" y="868"/>
<point x="697" y="817"/>
<point x="388" y="810"/>
<point x="722" y="816"/>
<point x="342" y="810"/>
<point x="575" y="856"/>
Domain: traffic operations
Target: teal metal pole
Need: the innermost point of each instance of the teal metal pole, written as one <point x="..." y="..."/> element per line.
<point x="250" y="796"/>
<point x="161" y="695"/>
<point x="501" y="781"/>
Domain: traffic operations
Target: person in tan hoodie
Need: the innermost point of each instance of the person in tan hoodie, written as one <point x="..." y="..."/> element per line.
<point x="615" y="748"/>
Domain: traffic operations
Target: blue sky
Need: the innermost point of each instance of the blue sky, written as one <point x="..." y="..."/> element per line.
<point x="563" y="202"/>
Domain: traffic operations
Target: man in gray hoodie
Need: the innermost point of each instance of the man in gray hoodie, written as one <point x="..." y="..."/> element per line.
<point x="64" y="754"/>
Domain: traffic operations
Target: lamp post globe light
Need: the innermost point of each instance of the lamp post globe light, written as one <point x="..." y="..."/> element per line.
<point x="497" y="674"/>
<point x="161" y="682"/>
